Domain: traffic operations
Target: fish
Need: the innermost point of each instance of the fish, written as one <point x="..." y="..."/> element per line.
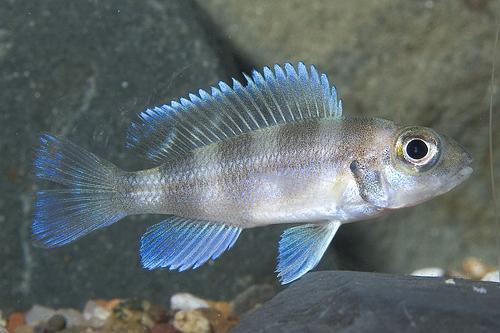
<point x="276" y="149"/>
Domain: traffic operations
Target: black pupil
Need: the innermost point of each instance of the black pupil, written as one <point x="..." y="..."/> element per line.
<point x="416" y="149"/>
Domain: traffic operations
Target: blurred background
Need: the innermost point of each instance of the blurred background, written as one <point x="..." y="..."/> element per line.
<point x="84" y="69"/>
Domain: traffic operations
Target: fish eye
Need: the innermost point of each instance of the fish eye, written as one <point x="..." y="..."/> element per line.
<point x="417" y="149"/>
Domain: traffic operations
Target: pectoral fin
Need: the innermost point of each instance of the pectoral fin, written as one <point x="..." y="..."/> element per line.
<point x="370" y="184"/>
<point x="301" y="248"/>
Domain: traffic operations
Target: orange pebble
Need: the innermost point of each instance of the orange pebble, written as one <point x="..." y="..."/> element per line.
<point x="475" y="268"/>
<point x="223" y="307"/>
<point x="108" y="304"/>
<point x="15" y="320"/>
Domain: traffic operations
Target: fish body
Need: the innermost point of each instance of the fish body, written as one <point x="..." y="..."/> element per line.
<point x="290" y="173"/>
<point x="275" y="151"/>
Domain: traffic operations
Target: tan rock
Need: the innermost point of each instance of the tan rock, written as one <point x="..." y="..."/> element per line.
<point x="223" y="307"/>
<point x="95" y="314"/>
<point x="219" y="321"/>
<point x="475" y="268"/>
<point x="191" y="321"/>
<point x="24" y="329"/>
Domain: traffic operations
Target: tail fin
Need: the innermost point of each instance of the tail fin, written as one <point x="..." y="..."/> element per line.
<point x="89" y="201"/>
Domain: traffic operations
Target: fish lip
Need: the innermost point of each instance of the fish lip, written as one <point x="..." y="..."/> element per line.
<point x="465" y="172"/>
<point x="462" y="174"/>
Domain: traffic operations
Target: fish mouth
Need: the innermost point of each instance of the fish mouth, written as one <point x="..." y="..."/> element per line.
<point x="465" y="172"/>
<point x="459" y="178"/>
<point x="456" y="179"/>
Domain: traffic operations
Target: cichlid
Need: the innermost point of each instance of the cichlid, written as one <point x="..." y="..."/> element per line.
<point x="275" y="150"/>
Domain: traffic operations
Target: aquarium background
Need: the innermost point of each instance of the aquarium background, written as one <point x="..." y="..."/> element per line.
<point x="85" y="69"/>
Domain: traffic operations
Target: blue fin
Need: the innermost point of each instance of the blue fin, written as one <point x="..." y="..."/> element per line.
<point x="180" y="243"/>
<point x="88" y="201"/>
<point x="281" y="95"/>
<point x="301" y="248"/>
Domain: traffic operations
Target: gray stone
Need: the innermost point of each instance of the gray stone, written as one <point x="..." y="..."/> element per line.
<point x="83" y="70"/>
<point x="415" y="62"/>
<point x="56" y="323"/>
<point x="368" y="302"/>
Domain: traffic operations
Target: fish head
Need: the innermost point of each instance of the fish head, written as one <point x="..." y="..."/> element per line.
<point x="420" y="164"/>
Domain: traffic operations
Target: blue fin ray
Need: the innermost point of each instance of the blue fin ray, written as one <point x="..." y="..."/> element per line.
<point x="89" y="200"/>
<point x="279" y="95"/>
<point x="180" y="243"/>
<point x="230" y="238"/>
<point x="301" y="248"/>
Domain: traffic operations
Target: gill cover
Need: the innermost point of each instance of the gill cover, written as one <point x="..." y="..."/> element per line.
<point x="370" y="184"/>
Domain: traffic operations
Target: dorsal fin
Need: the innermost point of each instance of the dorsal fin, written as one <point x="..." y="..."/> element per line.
<point x="282" y="95"/>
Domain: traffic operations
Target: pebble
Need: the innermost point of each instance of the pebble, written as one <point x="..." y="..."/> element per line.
<point x="95" y="315"/>
<point x="109" y="304"/>
<point x="224" y="308"/>
<point x="24" y="329"/>
<point x="191" y="321"/>
<point x="429" y="272"/>
<point x="56" y="323"/>
<point x="147" y="321"/>
<point x="475" y="268"/>
<point x="187" y="301"/>
<point x="164" y="328"/>
<point x="3" y="322"/>
<point x="158" y="314"/>
<point x="491" y="277"/>
<point x="73" y="317"/>
<point x="220" y="322"/>
<point x="38" y="314"/>
<point x="16" y="319"/>
<point x="119" y="326"/>
<point x="480" y="290"/>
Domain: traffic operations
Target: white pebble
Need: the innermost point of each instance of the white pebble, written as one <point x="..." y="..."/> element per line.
<point x="491" y="277"/>
<point x="38" y="314"/>
<point x="480" y="290"/>
<point x="186" y="301"/>
<point x="429" y="272"/>
<point x="449" y="281"/>
<point x="94" y="314"/>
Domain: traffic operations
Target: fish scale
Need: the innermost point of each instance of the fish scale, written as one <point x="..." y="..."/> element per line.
<point x="274" y="150"/>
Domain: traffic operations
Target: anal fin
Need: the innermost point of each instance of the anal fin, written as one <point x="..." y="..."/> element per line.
<point x="301" y="248"/>
<point x="181" y="243"/>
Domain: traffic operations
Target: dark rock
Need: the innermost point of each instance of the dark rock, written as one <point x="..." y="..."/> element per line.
<point x="252" y="297"/>
<point x="342" y="301"/>
<point x="55" y="323"/>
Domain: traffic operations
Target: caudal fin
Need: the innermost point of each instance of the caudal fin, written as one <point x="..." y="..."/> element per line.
<point x="88" y="200"/>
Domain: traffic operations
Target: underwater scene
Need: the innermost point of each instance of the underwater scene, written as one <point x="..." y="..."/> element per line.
<point x="201" y="166"/>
